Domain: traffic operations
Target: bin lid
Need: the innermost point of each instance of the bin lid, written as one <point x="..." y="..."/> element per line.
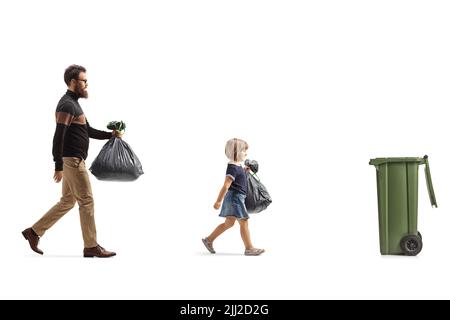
<point x="378" y="161"/>
<point x="429" y="183"/>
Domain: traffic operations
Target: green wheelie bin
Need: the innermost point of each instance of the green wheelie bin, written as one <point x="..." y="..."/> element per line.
<point x="397" y="188"/>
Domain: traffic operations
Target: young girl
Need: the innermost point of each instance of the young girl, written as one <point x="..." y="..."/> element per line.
<point x="234" y="190"/>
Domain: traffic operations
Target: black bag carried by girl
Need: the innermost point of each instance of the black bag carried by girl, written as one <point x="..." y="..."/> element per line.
<point x="258" y="198"/>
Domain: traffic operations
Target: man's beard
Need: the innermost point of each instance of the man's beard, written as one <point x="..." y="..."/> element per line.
<point x="80" y="92"/>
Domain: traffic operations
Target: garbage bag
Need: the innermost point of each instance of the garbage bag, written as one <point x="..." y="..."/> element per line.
<point x="116" y="162"/>
<point x="116" y="125"/>
<point x="258" y="198"/>
<point x="252" y="164"/>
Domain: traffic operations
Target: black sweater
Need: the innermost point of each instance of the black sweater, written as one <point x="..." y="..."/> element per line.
<point x="73" y="131"/>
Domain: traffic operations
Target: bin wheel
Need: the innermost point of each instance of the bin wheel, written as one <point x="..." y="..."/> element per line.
<point x="420" y="236"/>
<point x="411" y="245"/>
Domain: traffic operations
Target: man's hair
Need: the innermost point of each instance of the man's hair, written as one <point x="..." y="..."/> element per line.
<point x="72" y="72"/>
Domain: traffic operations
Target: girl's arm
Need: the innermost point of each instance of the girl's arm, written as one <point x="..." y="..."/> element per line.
<point x="223" y="191"/>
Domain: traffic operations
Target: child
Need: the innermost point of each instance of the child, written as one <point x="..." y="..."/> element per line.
<point x="234" y="190"/>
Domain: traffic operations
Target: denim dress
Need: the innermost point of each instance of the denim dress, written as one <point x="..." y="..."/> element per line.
<point x="234" y="201"/>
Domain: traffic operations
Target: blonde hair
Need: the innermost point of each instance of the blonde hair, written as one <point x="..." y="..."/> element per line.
<point x="235" y="149"/>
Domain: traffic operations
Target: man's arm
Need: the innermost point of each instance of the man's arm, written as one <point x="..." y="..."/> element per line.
<point x="98" y="134"/>
<point x="64" y="118"/>
<point x="58" y="143"/>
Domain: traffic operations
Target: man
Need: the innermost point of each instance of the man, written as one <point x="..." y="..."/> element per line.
<point x="70" y="149"/>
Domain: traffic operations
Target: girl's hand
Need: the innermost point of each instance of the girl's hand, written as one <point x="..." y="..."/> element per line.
<point x="217" y="205"/>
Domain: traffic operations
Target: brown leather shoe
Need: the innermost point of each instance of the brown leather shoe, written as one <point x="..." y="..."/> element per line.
<point x="33" y="239"/>
<point x="98" y="252"/>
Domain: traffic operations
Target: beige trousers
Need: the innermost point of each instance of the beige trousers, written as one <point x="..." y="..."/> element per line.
<point x="76" y="187"/>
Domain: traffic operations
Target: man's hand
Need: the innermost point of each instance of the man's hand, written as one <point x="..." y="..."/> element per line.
<point x="118" y="134"/>
<point x="217" y="205"/>
<point x="58" y="176"/>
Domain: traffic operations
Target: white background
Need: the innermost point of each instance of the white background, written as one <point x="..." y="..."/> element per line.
<point x="317" y="88"/>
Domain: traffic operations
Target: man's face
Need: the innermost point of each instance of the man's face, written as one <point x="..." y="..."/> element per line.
<point x="81" y="86"/>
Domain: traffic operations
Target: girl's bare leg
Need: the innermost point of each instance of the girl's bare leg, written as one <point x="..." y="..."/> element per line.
<point x="221" y="228"/>
<point x="245" y="234"/>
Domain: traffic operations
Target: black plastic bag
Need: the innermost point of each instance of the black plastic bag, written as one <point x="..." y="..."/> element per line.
<point x="116" y="125"/>
<point x="258" y="198"/>
<point x="116" y="162"/>
<point x="252" y="164"/>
